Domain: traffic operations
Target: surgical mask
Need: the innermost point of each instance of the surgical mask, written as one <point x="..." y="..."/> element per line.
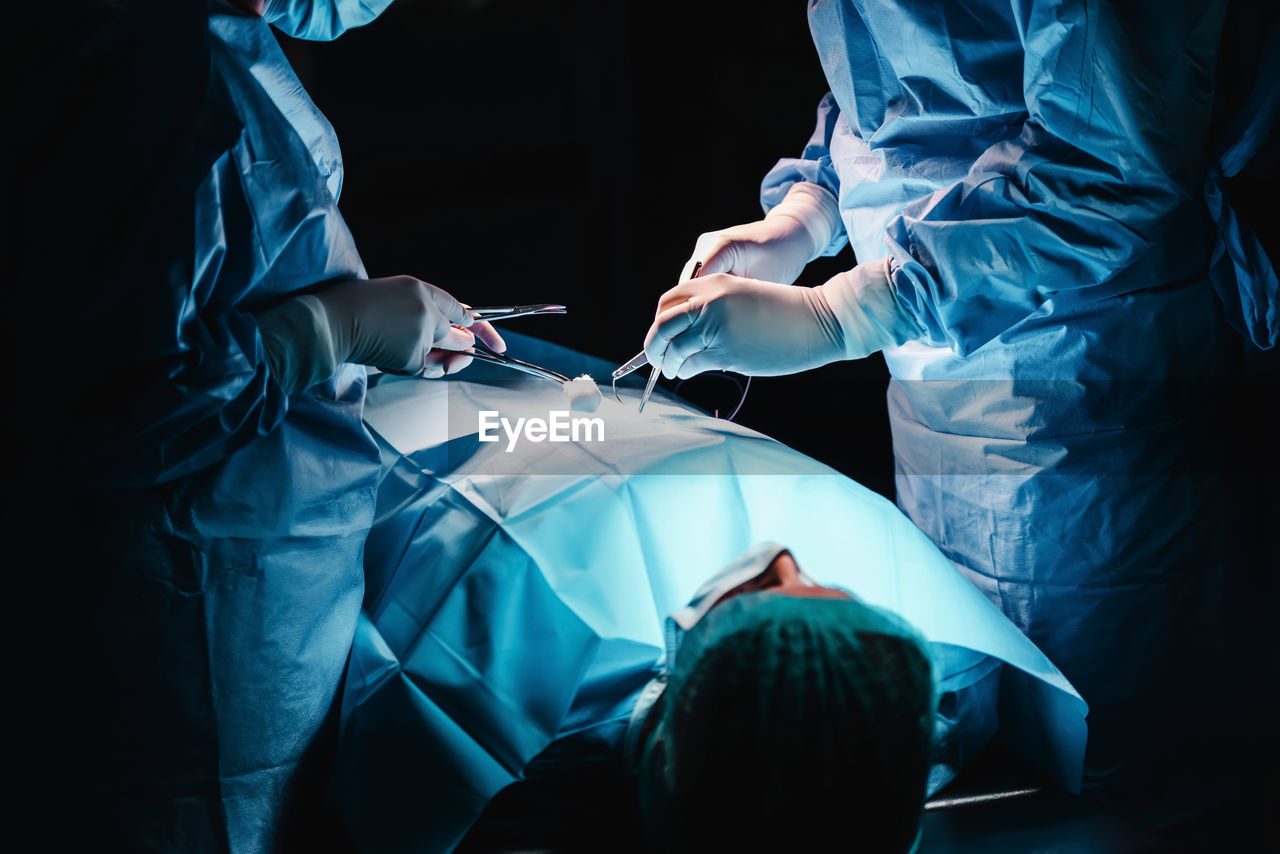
<point x="321" y="20"/>
<point x="746" y="566"/>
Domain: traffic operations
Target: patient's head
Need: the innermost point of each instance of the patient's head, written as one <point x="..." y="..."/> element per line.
<point x="795" y="715"/>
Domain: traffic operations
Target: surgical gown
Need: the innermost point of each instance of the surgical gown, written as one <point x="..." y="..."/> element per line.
<point x="198" y="533"/>
<point x="1034" y="173"/>
<point x="517" y="594"/>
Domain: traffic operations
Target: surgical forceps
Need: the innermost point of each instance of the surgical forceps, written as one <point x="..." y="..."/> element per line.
<point x="638" y="361"/>
<point x="484" y="354"/>
<point x="506" y="312"/>
<point x="491" y="313"/>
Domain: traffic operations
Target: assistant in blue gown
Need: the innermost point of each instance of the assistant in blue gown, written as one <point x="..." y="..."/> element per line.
<point x="196" y="534"/>
<point x="517" y="601"/>
<point x="1035" y="173"/>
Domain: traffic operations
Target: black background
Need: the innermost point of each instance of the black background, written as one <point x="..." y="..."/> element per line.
<point x="572" y="152"/>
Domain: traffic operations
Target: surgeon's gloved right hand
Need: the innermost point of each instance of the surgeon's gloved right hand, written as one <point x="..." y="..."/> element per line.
<point x="399" y="325"/>
<point x="776" y="248"/>
<point x="724" y="322"/>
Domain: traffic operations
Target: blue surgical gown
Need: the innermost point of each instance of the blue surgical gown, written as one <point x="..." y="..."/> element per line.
<point x="1034" y="173"/>
<point x="517" y="599"/>
<point x="201" y="587"/>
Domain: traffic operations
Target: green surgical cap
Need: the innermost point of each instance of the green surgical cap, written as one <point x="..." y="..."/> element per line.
<point x="788" y="720"/>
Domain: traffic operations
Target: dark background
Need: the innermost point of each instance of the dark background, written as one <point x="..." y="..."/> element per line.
<point x="572" y="152"/>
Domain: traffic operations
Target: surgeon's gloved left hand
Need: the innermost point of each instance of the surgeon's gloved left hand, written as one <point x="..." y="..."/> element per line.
<point x="724" y="322"/>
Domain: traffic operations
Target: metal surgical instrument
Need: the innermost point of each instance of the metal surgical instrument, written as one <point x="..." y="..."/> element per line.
<point x="639" y="360"/>
<point x="506" y="312"/>
<point x="484" y="354"/>
<point x="648" y="388"/>
<point x="633" y="365"/>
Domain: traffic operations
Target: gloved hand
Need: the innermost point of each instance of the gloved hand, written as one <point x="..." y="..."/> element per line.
<point x="776" y="248"/>
<point x="724" y="322"/>
<point x="399" y="325"/>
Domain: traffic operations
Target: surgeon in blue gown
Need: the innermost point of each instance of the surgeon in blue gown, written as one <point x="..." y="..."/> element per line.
<point x="1024" y="189"/>
<point x="198" y="484"/>
<point x="524" y="606"/>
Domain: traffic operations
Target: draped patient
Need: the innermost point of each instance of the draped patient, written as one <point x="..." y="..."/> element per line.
<point x="547" y="622"/>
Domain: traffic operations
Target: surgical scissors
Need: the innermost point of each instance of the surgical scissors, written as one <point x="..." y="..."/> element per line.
<point x="638" y="361"/>
<point x="506" y="312"/>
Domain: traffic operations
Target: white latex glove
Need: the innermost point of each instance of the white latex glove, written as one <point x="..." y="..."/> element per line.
<point x="399" y="325"/>
<point x="776" y="248"/>
<point x="724" y="322"/>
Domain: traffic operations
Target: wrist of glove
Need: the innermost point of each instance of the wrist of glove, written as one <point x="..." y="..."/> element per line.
<point x="297" y="343"/>
<point x="815" y="209"/>
<point x="724" y="322"/>
<point x="863" y="302"/>
<point x="773" y="249"/>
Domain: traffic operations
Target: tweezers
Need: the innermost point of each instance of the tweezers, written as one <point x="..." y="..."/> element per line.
<point x="638" y="361"/>
<point x="506" y="312"/>
<point x="484" y="354"/>
<point x="648" y="388"/>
